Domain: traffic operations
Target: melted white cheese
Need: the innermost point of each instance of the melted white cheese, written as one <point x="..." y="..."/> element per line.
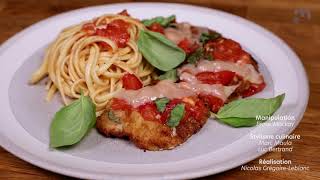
<point x="217" y="90"/>
<point x="167" y="88"/>
<point x="175" y="35"/>
<point x="247" y="71"/>
<point x="146" y="94"/>
<point x="184" y="31"/>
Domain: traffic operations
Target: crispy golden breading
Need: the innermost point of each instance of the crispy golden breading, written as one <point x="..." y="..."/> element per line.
<point x="151" y="135"/>
<point x="148" y="135"/>
<point x="110" y="128"/>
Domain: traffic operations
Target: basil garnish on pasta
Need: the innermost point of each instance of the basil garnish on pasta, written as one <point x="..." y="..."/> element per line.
<point x="159" y="51"/>
<point x="93" y="56"/>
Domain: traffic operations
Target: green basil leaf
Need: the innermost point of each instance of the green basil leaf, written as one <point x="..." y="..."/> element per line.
<point x="160" y="51"/>
<point x="71" y="123"/>
<point x="209" y="57"/>
<point x="199" y="54"/>
<point x="113" y="117"/>
<point x="250" y="108"/>
<point x="195" y="56"/>
<point x="239" y="122"/>
<point x="163" y="21"/>
<point x="161" y="103"/>
<point x="172" y="75"/>
<point x="204" y="37"/>
<point x="176" y="115"/>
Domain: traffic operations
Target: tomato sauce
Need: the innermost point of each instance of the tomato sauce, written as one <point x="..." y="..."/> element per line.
<point x="253" y="89"/>
<point x="194" y="108"/>
<point x="120" y="104"/>
<point x="221" y="77"/>
<point x="89" y="28"/>
<point x="213" y="102"/>
<point x="130" y="81"/>
<point x="149" y="111"/>
<point x="188" y="46"/>
<point x="227" y="50"/>
<point x="116" y="30"/>
<point x="197" y="110"/>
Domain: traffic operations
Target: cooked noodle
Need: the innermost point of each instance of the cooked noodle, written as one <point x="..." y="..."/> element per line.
<point x="76" y="63"/>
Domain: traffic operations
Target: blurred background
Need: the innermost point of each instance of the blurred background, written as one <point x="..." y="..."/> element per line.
<point x="297" y="22"/>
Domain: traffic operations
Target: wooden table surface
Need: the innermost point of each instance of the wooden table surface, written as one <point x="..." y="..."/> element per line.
<point x="295" y="21"/>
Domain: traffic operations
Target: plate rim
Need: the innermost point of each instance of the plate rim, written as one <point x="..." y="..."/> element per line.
<point x="18" y="152"/>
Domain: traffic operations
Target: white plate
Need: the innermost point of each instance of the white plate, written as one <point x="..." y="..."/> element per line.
<point x="25" y="116"/>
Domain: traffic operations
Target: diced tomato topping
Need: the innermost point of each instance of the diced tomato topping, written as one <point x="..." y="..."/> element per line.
<point x="227" y="50"/>
<point x="89" y="28"/>
<point x="188" y="46"/>
<point x="101" y="32"/>
<point x="221" y="77"/>
<point x="120" y="104"/>
<point x="214" y="103"/>
<point x="124" y="13"/>
<point x="187" y="113"/>
<point x="156" y="27"/>
<point x="184" y="44"/>
<point x="199" y="111"/>
<point x="149" y="111"/>
<point x="253" y="89"/>
<point x="117" y="31"/>
<point x="130" y="81"/>
<point x="119" y="23"/>
<point x="246" y="59"/>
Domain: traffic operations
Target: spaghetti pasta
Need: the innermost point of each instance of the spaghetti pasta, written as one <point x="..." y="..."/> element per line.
<point x="82" y="60"/>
